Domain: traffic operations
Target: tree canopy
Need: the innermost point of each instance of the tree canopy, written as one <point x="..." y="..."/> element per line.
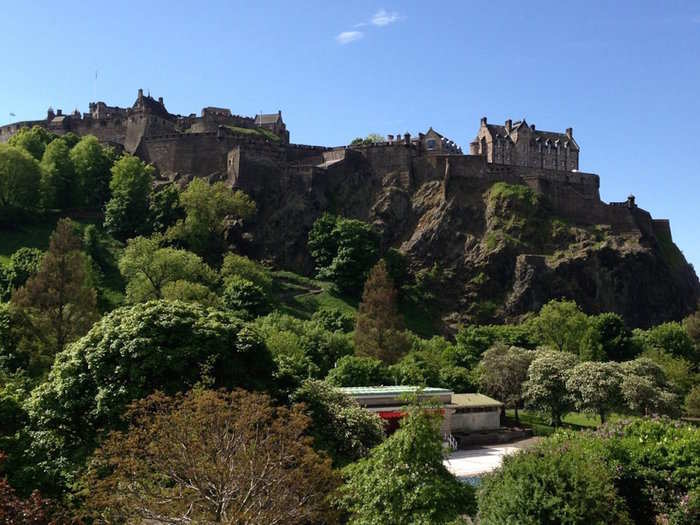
<point x="212" y="457"/>
<point x="130" y="187"/>
<point x="20" y="177"/>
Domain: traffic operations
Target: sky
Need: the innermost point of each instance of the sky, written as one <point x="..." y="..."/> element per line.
<point x="625" y="75"/>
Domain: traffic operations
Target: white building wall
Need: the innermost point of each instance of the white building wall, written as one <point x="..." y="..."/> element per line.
<point x="474" y="421"/>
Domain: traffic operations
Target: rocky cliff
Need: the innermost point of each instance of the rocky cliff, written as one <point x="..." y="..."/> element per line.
<point x="504" y="239"/>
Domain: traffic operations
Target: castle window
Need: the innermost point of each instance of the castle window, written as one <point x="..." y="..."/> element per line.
<point x="430" y="144"/>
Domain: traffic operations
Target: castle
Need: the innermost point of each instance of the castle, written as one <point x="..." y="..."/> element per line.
<point x="219" y="145"/>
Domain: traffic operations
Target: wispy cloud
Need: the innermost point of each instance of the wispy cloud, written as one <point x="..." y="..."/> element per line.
<point x="349" y="36"/>
<point x="384" y="18"/>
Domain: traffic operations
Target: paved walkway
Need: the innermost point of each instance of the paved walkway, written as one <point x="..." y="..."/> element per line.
<point x="480" y="460"/>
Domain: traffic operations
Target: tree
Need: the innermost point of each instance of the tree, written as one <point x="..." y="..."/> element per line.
<point x="561" y="325"/>
<point x="669" y="337"/>
<point x="610" y="338"/>
<point x="555" y="483"/>
<point x="241" y="266"/>
<point x="502" y="372"/>
<point x="644" y="388"/>
<point x="692" y="328"/>
<point x="92" y="163"/>
<point x="545" y="388"/>
<point x="692" y="402"/>
<point x="344" y="250"/>
<point x="212" y="457"/>
<point x="58" y="185"/>
<point x="20" y="177"/>
<point x="352" y="370"/>
<point x="126" y="212"/>
<point x="404" y="481"/>
<point x="340" y="427"/>
<point x="378" y="328"/>
<point x="33" y="140"/>
<point x="207" y="208"/>
<point x="59" y="297"/>
<point x="19" y="345"/>
<point x="165" y="208"/>
<point x="244" y="295"/>
<point x="148" y="268"/>
<point x="189" y="292"/>
<point x="14" y="510"/>
<point x="595" y="387"/>
<point x="677" y="370"/>
<point x="24" y="263"/>
<point x="334" y="319"/>
<point x="129" y="354"/>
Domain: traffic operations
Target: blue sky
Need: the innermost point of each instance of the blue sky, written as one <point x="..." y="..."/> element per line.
<point x="625" y="75"/>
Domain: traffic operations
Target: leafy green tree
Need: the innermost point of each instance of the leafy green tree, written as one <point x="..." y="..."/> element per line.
<point x="165" y="208"/>
<point x="58" y="184"/>
<point x="352" y="370"/>
<point x="307" y="343"/>
<point x="241" y="266"/>
<point x="92" y="163"/>
<point x="692" y="402"/>
<point x="129" y="354"/>
<point x="644" y="388"/>
<point x="334" y="319"/>
<point x="610" y="339"/>
<point x="246" y="296"/>
<point x="545" y="388"/>
<point x="341" y="428"/>
<point x="692" y="328"/>
<point x="23" y="263"/>
<point x="473" y="340"/>
<point x="33" y="140"/>
<point x="207" y="208"/>
<point x="20" y="177"/>
<point x="669" y="337"/>
<point x="148" y="268"/>
<point x="189" y="292"/>
<point x="555" y="483"/>
<point x="677" y="370"/>
<point x="561" y="325"/>
<point x="59" y="297"/>
<point x="343" y="250"/>
<point x="417" y="368"/>
<point x="18" y="340"/>
<point x="403" y="480"/>
<point x="457" y="378"/>
<point x="595" y="387"/>
<point x="211" y="457"/>
<point x="379" y="326"/>
<point x="126" y="212"/>
<point x="502" y="371"/>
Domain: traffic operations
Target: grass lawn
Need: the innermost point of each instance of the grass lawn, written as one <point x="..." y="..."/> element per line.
<point x="301" y="296"/>
<point x="573" y="420"/>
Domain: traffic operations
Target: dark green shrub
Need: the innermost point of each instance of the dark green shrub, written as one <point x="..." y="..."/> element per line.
<point x="334" y="319"/>
<point x="555" y="483"/>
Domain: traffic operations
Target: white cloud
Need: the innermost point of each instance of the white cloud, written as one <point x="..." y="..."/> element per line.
<point x="349" y="36"/>
<point x="384" y="17"/>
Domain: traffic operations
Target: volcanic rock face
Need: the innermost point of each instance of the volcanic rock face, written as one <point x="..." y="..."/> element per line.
<point x="505" y="239"/>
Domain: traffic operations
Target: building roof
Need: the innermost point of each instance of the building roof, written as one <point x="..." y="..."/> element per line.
<point x="474" y="401"/>
<point x="267" y="118"/>
<point x="391" y="391"/>
<point x="553" y="136"/>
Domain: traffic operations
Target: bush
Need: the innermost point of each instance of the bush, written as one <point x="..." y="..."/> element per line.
<point x="341" y="427"/>
<point x="240" y="266"/>
<point x="555" y="483"/>
<point x="244" y="295"/>
<point x="352" y="370"/>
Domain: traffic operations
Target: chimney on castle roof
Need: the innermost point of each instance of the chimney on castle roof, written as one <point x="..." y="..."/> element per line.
<point x="50" y="114"/>
<point x="407" y="138"/>
<point x="532" y="127"/>
<point x="509" y="125"/>
<point x="140" y="93"/>
<point x="59" y="112"/>
<point x="390" y="138"/>
<point x="483" y="121"/>
<point x="160" y="100"/>
<point x="570" y="132"/>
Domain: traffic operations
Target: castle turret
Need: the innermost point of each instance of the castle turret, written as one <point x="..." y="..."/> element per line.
<point x="570" y="132"/>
